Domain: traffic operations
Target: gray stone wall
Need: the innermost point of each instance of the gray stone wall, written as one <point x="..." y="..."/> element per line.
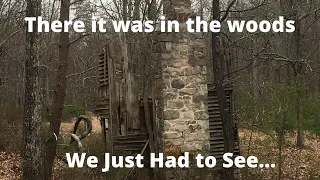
<point x="182" y="114"/>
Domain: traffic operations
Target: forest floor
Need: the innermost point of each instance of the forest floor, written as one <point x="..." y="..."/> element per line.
<point x="301" y="164"/>
<point x="67" y="127"/>
<point x="10" y="163"/>
<point x="298" y="164"/>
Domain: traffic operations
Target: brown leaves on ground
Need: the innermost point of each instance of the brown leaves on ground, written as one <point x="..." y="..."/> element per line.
<point x="296" y="163"/>
<point x="9" y="166"/>
<point x="10" y="163"/>
<point x="300" y="164"/>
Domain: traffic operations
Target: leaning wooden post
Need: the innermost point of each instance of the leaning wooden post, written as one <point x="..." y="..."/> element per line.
<point x="111" y="95"/>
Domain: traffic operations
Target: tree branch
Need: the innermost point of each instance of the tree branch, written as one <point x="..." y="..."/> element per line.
<point x="84" y="134"/>
<point x="79" y="38"/>
<point x="76" y="1"/>
<point x="250" y="9"/>
<point x="76" y="138"/>
<point x="227" y="11"/>
<point x="307" y="14"/>
<point x="9" y="37"/>
<point x="80" y="73"/>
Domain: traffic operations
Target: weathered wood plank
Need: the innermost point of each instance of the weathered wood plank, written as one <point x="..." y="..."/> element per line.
<point x="215" y="124"/>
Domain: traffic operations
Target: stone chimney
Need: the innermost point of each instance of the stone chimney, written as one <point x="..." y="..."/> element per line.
<point x="182" y="115"/>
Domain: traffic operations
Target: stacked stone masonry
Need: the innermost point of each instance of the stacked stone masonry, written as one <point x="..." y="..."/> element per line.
<point x="184" y="119"/>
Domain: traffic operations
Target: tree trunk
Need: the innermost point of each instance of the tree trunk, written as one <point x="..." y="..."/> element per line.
<point x="32" y="169"/>
<point x="299" y="111"/>
<point x="227" y="124"/>
<point x="60" y="92"/>
<point x="299" y="81"/>
<point x="291" y="9"/>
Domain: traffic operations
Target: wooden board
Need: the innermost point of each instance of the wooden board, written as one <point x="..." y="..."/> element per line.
<point x="215" y="125"/>
<point x="130" y="144"/>
<point x="103" y="69"/>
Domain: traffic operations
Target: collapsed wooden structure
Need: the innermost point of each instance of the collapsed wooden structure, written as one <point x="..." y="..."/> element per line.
<point x="126" y="136"/>
<point x="129" y="138"/>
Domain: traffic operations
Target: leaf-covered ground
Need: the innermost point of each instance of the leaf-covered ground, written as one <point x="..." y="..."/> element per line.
<point x="9" y="166"/>
<point x="297" y="164"/>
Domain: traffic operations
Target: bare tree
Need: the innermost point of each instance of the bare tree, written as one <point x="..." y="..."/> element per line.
<point x="59" y="91"/>
<point x="32" y="168"/>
